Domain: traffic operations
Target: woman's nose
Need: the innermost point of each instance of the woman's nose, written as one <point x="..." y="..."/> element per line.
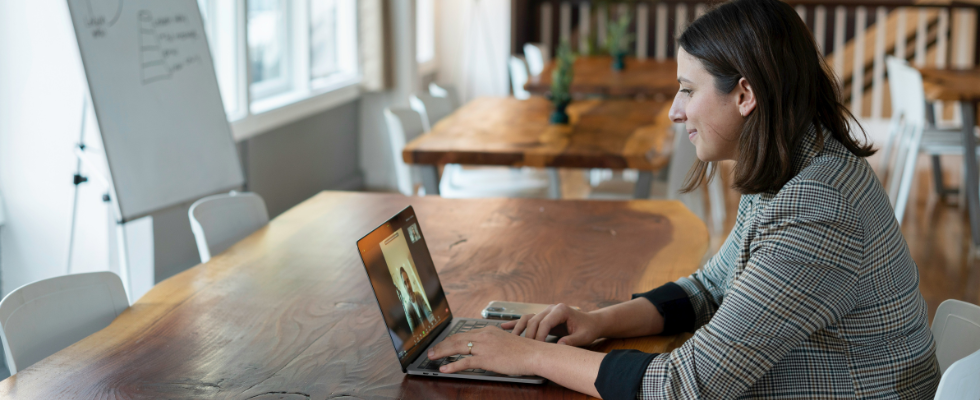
<point x="676" y="113"/>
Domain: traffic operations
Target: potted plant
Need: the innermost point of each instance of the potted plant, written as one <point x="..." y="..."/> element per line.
<point x="618" y="40"/>
<point x="561" y="83"/>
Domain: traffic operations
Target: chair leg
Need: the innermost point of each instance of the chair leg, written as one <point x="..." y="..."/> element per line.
<point x="716" y="196"/>
<point x="937" y="178"/>
<point x="554" y="183"/>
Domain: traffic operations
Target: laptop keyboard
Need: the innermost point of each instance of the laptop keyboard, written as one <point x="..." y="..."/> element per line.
<point x="433" y="365"/>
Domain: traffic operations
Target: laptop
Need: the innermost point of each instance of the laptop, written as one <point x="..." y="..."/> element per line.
<point x="412" y="301"/>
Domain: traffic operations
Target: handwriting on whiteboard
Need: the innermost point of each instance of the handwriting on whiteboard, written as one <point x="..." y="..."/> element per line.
<point x="102" y="14"/>
<point x="166" y="46"/>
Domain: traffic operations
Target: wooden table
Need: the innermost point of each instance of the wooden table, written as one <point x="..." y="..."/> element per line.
<point x="614" y="134"/>
<point x="594" y="75"/>
<point x="289" y="313"/>
<point x="962" y="86"/>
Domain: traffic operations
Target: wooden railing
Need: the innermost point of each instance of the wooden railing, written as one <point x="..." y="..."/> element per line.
<point x="854" y="36"/>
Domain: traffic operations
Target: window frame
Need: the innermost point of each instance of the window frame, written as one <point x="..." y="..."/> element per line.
<point x="430" y="66"/>
<point x="260" y="108"/>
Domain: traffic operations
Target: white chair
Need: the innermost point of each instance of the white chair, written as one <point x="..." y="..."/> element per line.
<point x="456" y="182"/>
<point x="41" y="318"/>
<point x="518" y="77"/>
<point x="220" y="221"/>
<point x="961" y="380"/>
<point x="431" y="108"/>
<point x="956" y="329"/>
<point x="447" y="91"/>
<point x="404" y="125"/>
<point x="909" y="135"/>
<point x="537" y="57"/>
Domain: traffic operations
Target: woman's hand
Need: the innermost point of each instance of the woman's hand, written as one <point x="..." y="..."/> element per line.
<point x="493" y="350"/>
<point x="576" y="327"/>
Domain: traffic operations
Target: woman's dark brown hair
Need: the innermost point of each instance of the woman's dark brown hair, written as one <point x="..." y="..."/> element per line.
<point x="766" y="42"/>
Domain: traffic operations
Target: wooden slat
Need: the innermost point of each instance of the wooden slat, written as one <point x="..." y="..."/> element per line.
<point x="602" y="18"/>
<point x="565" y="22"/>
<point x="584" y="26"/>
<point x="661" y="29"/>
<point x="546" y="18"/>
<point x="642" y="30"/>
<point x="289" y="313"/>
<point x="820" y="27"/>
<point x="614" y="134"/>
<point x="857" y="83"/>
<point x="877" y="85"/>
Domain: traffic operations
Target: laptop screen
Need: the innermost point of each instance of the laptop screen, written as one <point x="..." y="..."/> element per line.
<point x="405" y="282"/>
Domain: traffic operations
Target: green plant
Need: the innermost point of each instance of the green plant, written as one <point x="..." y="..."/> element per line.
<point x="561" y="77"/>
<point x="618" y="38"/>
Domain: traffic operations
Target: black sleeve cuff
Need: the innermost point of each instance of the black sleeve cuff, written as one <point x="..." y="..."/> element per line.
<point x="674" y="305"/>
<point x="621" y="373"/>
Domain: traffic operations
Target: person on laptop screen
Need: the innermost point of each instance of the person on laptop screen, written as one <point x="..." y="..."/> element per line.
<point x="813" y="295"/>
<point x="416" y="305"/>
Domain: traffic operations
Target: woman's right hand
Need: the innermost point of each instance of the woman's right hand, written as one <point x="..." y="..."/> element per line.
<point x="575" y="327"/>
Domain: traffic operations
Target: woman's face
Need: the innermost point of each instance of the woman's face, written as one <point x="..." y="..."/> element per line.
<point x="713" y="120"/>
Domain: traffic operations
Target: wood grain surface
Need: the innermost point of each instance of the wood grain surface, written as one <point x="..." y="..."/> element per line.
<point x="594" y="75"/>
<point x="505" y="131"/>
<point x="289" y="313"/>
<point x="951" y="84"/>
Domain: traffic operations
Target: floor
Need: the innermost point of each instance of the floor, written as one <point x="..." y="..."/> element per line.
<point x="936" y="230"/>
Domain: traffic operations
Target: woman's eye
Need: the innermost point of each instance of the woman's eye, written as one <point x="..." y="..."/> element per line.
<point x="686" y="91"/>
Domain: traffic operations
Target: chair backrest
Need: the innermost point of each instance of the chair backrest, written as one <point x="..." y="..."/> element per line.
<point x="220" y="221"/>
<point x="41" y="318"/>
<point x="431" y="108"/>
<point x="537" y="56"/>
<point x="683" y="156"/>
<point x="961" y="380"/>
<point x="905" y="131"/>
<point x="447" y="91"/>
<point x="956" y="329"/>
<point x="518" y="77"/>
<point x="404" y="124"/>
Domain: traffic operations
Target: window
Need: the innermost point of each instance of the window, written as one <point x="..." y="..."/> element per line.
<point x="332" y="55"/>
<point x="296" y="50"/>
<point x="425" y="35"/>
<point x="221" y="28"/>
<point x="268" y="47"/>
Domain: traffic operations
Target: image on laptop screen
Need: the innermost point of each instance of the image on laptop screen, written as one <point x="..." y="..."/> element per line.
<point x="405" y="282"/>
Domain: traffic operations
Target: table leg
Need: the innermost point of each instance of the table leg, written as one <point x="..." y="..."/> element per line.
<point x="430" y="178"/>
<point x="643" y="182"/>
<point x="969" y="109"/>
<point x="554" y="183"/>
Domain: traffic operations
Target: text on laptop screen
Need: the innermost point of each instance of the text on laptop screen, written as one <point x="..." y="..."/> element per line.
<point x="405" y="281"/>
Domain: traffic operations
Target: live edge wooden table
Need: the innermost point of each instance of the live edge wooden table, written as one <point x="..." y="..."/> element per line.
<point x="962" y="86"/>
<point x="505" y="131"/>
<point x="594" y="76"/>
<point x="289" y="313"/>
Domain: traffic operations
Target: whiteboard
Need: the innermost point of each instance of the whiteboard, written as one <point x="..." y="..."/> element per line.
<point x="155" y="94"/>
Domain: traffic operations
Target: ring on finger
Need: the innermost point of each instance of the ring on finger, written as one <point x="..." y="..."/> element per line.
<point x="469" y="346"/>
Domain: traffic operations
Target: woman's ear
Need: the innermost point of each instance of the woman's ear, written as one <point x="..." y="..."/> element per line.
<point x="746" y="97"/>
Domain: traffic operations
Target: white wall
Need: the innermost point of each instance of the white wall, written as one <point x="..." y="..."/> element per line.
<point x="473" y="41"/>
<point x="41" y="94"/>
<point x="376" y="158"/>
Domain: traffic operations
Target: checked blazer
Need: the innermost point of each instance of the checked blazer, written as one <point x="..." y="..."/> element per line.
<point x="812" y="296"/>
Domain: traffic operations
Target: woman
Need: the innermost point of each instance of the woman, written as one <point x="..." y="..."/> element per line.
<point x="813" y="294"/>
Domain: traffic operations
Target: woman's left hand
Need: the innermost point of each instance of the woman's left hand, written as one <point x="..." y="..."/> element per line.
<point x="493" y="350"/>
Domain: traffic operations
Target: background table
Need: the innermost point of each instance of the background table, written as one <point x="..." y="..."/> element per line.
<point x="614" y="134"/>
<point x="962" y="86"/>
<point x="594" y="75"/>
<point x="288" y="313"/>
